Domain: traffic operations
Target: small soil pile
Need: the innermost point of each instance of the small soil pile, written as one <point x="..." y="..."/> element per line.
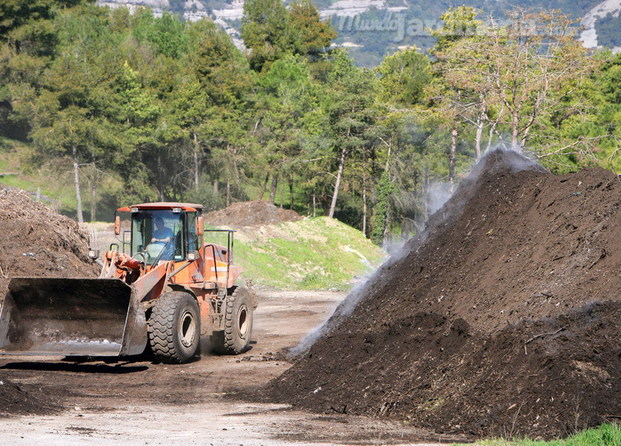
<point x="250" y="213"/>
<point x="36" y="242"/>
<point x="501" y="319"/>
<point x="16" y="399"/>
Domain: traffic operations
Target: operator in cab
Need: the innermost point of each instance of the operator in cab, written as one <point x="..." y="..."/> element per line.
<point x="164" y="236"/>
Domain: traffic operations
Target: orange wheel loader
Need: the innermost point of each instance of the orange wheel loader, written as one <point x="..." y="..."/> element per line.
<point x="167" y="291"/>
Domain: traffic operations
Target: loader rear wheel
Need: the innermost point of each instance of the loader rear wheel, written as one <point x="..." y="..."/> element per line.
<point x="174" y="327"/>
<point x="238" y="318"/>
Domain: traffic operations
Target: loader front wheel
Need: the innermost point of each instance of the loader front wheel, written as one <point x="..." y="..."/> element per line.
<point x="174" y="327"/>
<point x="238" y="318"/>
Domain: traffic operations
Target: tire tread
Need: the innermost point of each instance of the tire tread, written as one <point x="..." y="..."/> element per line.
<point x="161" y="328"/>
<point x="223" y="342"/>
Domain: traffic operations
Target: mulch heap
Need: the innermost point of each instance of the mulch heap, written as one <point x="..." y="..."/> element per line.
<point x="18" y="399"/>
<point x="250" y="213"/>
<point x="36" y="242"/>
<point x="502" y="319"/>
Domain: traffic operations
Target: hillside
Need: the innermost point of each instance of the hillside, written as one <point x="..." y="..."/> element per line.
<point x="51" y="182"/>
<point x="314" y="253"/>
<point x="42" y="183"/>
<point x="278" y="248"/>
<point x="374" y="28"/>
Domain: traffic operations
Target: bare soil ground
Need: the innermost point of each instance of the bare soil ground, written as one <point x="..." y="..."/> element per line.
<point x="140" y="402"/>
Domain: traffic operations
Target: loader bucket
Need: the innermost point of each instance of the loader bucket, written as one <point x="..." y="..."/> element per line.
<point x="71" y="317"/>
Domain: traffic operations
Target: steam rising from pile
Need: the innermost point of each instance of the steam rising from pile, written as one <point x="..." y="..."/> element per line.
<point x="442" y="210"/>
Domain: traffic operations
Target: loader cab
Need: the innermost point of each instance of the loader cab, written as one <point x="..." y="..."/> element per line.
<point x="164" y="231"/>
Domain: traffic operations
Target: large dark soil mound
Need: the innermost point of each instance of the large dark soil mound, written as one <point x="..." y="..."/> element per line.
<point x="503" y="318"/>
<point x="250" y="213"/>
<point x="36" y="242"/>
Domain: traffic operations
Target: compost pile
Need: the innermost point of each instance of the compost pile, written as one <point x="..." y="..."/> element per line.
<point x="502" y="319"/>
<point x="250" y="213"/>
<point x="18" y="399"/>
<point x="38" y="242"/>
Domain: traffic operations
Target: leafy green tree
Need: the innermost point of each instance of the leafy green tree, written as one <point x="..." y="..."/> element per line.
<point x="380" y="215"/>
<point x="166" y="33"/>
<point x="458" y="23"/>
<point x="211" y="97"/>
<point x="266" y="32"/>
<point x="349" y="107"/>
<point x="311" y="35"/>
<point x="286" y="96"/>
<point x="217" y="64"/>
<point x="583" y="125"/>
<point x="404" y="77"/>
<point x="404" y="154"/>
<point x="92" y="107"/>
<point x="67" y="116"/>
<point x="28" y="40"/>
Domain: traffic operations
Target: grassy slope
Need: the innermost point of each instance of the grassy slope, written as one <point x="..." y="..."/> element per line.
<point x="314" y="253"/>
<point x="56" y="192"/>
<point x="605" y="435"/>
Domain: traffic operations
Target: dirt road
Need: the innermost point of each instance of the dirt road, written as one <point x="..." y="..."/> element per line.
<point x="139" y="402"/>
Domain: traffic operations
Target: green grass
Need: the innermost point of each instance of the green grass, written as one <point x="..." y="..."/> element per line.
<point x="604" y="435"/>
<point x="56" y="190"/>
<point x="314" y="254"/>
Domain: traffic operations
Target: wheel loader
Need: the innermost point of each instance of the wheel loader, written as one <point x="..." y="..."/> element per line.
<point x="164" y="288"/>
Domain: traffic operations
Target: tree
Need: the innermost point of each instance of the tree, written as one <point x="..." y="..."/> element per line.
<point x="28" y="42"/>
<point x="266" y="32"/>
<point x="64" y="122"/>
<point x="518" y="67"/>
<point x="166" y="33"/>
<point x="138" y="115"/>
<point x="380" y="219"/>
<point x="311" y="35"/>
<point x="456" y="103"/>
<point x="403" y="77"/>
<point x="283" y="102"/>
<point x="90" y="107"/>
<point x="212" y="91"/>
<point x="349" y="108"/>
<point x="459" y="23"/>
<point x="583" y="125"/>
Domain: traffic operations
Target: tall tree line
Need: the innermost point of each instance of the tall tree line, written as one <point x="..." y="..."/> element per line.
<point x="152" y="108"/>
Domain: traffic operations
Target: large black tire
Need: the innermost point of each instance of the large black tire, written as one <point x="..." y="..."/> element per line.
<point x="174" y="327"/>
<point x="238" y="318"/>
